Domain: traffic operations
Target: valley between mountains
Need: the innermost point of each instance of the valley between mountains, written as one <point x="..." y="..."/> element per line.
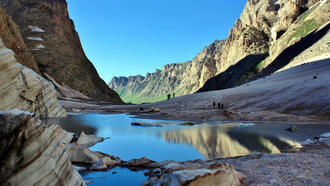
<point x="271" y="72"/>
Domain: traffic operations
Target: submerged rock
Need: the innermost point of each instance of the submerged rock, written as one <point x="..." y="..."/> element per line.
<point x="292" y="129"/>
<point x="144" y="124"/>
<point x="142" y="163"/>
<point x="189" y="123"/>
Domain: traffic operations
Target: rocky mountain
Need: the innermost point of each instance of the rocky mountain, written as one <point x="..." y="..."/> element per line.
<point x="178" y="78"/>
<point x="50" y="36"/>
<point x="295" y="30"/>
<point x="11" y="37"/>
<point x="269" y="36"/>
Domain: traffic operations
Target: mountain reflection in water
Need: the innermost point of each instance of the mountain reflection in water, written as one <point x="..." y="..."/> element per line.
<point x="174" y="141"/>
<point x="228" y="140"/>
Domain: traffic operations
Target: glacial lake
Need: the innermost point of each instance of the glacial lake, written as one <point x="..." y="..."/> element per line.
<point x="171" y="140"/>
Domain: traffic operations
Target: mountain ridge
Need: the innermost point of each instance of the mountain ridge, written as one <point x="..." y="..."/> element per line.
<point x="172" y="78"/>
<point x="265" y="30"/>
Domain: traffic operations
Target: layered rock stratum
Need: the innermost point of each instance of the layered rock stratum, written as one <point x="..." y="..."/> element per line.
<point x="269" y="36"/>
<point x="50" y="36"/>
<point x="22" y="88"/>
<point x="33" y="153"/>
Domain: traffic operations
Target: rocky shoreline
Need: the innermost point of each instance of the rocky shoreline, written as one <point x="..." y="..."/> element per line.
<point x="299" y="166"/>
<point x="306" y="165"/>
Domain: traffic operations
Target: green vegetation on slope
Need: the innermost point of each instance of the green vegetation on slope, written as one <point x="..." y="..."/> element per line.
<point x="140" y="98"/>
<point x="306" y="28"/>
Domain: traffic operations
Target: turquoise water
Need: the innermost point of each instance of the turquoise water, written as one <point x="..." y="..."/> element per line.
<point x="173" y="141"/>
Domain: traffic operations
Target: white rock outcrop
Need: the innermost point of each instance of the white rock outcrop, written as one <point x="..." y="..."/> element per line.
<point x="22" y="88"/>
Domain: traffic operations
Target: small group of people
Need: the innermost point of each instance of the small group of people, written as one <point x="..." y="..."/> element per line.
<point x="220" y="106"/>
<point x="169" y="96"/>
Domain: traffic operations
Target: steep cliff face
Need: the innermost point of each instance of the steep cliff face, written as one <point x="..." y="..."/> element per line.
<point x="50" y="35"/>
<point x="22" y="88"/>
<point x="12" y="38"/>
<point x="33" y="153"/>
<point x="178" y="78"/>
<point x="261" y="23"/>
<point x="287" y="33"/>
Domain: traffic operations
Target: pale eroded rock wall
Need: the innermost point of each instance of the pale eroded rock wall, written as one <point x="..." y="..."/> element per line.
<point x="22" y="88"/>
<point x="33" y="153"/>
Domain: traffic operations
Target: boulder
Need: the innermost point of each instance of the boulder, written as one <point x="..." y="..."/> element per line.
<point x="95" y="160"/>
<point x="88" y="140"/>
<point x="190" y="173"/>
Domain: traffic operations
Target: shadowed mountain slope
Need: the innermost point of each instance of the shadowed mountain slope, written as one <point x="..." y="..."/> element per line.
<point x="50" y="35"/>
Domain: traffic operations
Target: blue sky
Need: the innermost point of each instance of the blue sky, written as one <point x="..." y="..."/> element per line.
<point x="130" y="37"/>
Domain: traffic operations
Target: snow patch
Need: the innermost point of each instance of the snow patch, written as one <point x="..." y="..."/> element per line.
<point x="16" y="112"/>
<point x="41" y="46"/>
<point x="35" y="38"/>
<point x="307" y="142"/>
<point x="323" y="2"/>
<point x="325" y="135"/>
<point x="245" y="125"/>
<point x="35" y="29"/>
<point x="273" y="35"/>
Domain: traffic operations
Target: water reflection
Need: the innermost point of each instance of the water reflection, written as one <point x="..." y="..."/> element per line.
<point x="228" y="140"/>
<point x="176" y="142"/>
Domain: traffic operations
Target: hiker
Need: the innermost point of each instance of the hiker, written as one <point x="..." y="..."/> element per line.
<point x="219" y="106"/>
<point x="168" y="96"/>
<point x="213" y="104"/>
<point x="173" y="95"/>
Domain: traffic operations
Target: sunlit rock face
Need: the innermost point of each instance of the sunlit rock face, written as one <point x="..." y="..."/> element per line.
<point x="271" y="36"/>
<point x="258" y="28"/>
<point x="22" y="88"/>
<point x="224" y="141"/>
<point x="50" y="35"/>
<point x="178" y="78"/>
<point x="33" y="153"/>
